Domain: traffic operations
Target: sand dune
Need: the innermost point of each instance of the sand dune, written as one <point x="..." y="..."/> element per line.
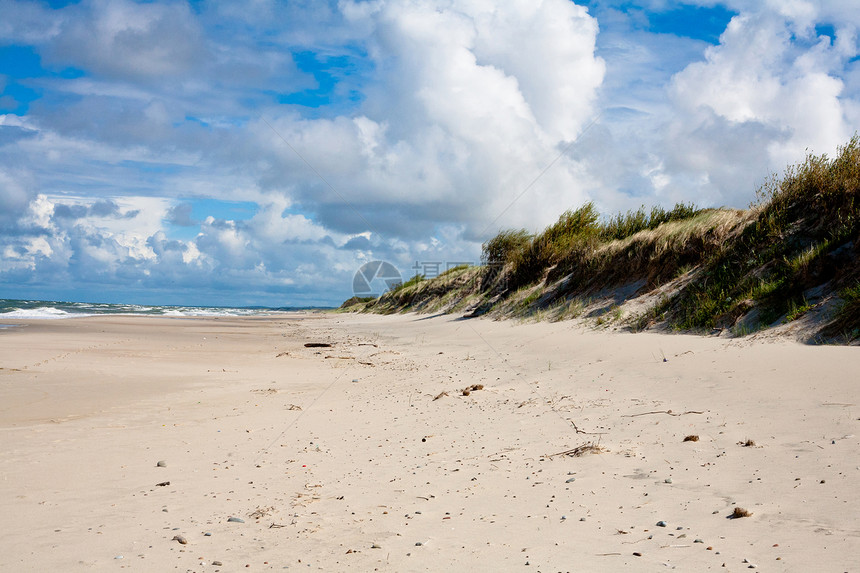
<point x="366" y="455"/>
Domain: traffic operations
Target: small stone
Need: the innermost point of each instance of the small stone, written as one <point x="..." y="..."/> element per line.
<point x="161" y="464"/>
<point x="661" y="524"/>
<point x="235" y="520"/>
<point x="208" y="534"/>
<point x="679" y="528"/>
<point x="180" y="539"/>
<point x="637" y="554"/>
<point x="563" y="517"/>
<point x="698" y="541"/>
<point x="581" y="519"/>
<point x="118" y="557"/>
<point x="418" y="544"/>
<point x="217" y="563"/>
<point x="667" y="480"/>
<point x="570" y="480"/>
<point x="375" y="546"/>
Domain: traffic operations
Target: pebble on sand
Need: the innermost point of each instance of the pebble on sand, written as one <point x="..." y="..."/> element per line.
<point x="180" y="539"/>
<point x="661" y="524"/>
<point x="235" y="520"/>
<point x="161" y="464"/>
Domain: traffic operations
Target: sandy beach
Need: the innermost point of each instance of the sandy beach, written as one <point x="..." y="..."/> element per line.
<point x="574" y="450"/>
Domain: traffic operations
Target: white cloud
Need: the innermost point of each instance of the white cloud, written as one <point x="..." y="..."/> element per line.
<point x="124" y="39"/>
<point x="461" y="107"/>
<point x="761" y="79"/>
<point x="470" y="103"/>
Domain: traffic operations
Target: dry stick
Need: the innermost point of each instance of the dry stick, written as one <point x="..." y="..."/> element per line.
<point x="662" y="412"/>
<point x="578" y="450"/>
<point x="578" y="431"/>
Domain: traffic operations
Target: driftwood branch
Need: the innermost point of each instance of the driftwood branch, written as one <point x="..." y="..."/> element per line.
<point x="670" y="412"/>
<point x="578" y="431"/>
<point x="586" y="448"/>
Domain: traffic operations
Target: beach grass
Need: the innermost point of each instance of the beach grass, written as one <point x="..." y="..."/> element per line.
<point x="794" y="250"/>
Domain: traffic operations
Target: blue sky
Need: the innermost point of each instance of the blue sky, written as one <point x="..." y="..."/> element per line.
<point x="235" y="154"/>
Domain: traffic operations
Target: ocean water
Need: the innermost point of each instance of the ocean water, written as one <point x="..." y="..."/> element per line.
<point x="49" y="310"/>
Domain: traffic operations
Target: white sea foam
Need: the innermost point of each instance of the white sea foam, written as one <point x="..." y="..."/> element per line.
<point x="41" y="313"/>
<point x="191" y="311"/>
<point x="36" y="310"/>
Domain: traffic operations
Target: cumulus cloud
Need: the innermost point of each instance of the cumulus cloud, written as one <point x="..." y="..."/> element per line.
<point x="435" y="124"/>
<point x="124" y="39"/>
<point x="759" y="100"/>
<point x="777" y="83"/>
<point x="16" y="192"/>
<point x="456" y="123"/>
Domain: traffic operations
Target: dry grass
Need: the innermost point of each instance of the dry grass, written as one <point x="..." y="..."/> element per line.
<point x="579" y="451"/>
<point x="754" y="264"/>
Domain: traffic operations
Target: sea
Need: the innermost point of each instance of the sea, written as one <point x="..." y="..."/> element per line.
<point x="53" y="310"/>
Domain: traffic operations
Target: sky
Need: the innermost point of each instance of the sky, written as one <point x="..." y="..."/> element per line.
<point x="259" y="153"/>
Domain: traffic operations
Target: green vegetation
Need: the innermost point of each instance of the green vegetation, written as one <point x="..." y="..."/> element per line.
<point x="411" y="282"/>
<point x="627" y="225"/>
<point x="355" y="302"/>
<point x="501" y="248"/>
<point x="794" y="250"/>
<point x="846" y="323"/>
<point x="803" y="220"/>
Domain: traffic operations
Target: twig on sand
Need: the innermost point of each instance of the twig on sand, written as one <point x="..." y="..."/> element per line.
<point x="276" y="525"/>
<point x="578" y="431"/>
<point x="440" y="395"/>
<point x="587" y="448"/>
<point x="670" y="412"/>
